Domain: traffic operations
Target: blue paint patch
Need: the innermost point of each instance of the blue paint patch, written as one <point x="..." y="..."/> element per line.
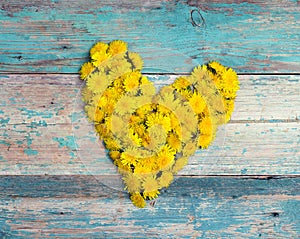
<point x="3" y="142"/>
<point x="260" y="95"/>
<point x="76" y="116"/>
<point x="32" y="113"/>
<point x="68" y="141"/>
<point x="4" y="121"/>
<point x="275" y="121"/>
<point x="3" y="76"/>
<point x="28" y="140"/>
<point x="34" y="125"/>
<point x="244" y="171"/>
<point x="12" y="100"/>
<point x="244" y="151"/>
<point x="72" y="154"/>
<point x="19" y="142"/>
<point x="30" y="152"/>
<point x="1" y="112"/>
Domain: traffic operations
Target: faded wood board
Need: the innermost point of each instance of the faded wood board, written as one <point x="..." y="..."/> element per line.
<point x="210" y="207"/>
<point x="56" y="180"/>
<point x="250" y="36"/>
<point x="46" y="132"/>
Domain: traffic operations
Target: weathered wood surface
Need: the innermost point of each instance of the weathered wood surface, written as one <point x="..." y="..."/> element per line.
<point x="245" y="186"/>
<point x="210" y="207"/>
<point x="54" y="36"/>
<point x="46" y="132"/>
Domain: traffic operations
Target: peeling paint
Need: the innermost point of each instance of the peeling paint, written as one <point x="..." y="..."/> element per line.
<point x="68" y="141"/>
<point x="33" y="113"/>
<point x="30" y="152"/>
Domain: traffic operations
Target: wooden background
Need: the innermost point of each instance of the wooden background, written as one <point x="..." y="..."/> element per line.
<point x="55" y="179"/>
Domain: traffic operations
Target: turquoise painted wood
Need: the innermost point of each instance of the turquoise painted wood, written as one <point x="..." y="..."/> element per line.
<point x="48" y="133"/>
<point x="193" y="207"/>
<point x="246" y="185"/>
<point x="54" y="36"/>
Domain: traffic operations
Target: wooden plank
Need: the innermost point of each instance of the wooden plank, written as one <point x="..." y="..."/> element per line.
<point x="239" y="149"/>
<point x="46" y="132"/>
<point x="261" y="98"/>
<point x="193" y="207"/>
<point x="250" y="36"/>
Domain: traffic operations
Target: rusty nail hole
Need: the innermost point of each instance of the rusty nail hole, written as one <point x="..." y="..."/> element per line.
<point x="197" y="18"/>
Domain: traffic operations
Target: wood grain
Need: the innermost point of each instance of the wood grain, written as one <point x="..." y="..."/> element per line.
<point x="250" y="36"/>
<point x="46" y="131"/>
<point x="210" y="207"/>
<point x="56" y="180"/>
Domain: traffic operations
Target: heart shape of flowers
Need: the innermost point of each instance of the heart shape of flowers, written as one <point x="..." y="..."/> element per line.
<point x="150" y="135"/>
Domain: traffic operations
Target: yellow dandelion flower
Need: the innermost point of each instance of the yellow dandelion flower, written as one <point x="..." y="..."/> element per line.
<point x="111" y="144"/>
<point x="144" y="80"/>
<point x="165" y="179"/>
<point x="157" y="137"/>
<point x="136" y="60"/>
<point x="185" y="93"/>
<point x="150" y="183"/>
<point x="128" y="159"/>
<point x="197" y="103"/>
<point x="120" y="71"/>
<point x="206" y="126"/>
<point x="86" y="94"/>
<point x="205" y="140"/>
<point x="112" y="93"/>
<point x="147" y="89"/>
<point x="117" y="47"/>
<point x="99" y="57"/>
<point x="99" y="115"/>
<point x="173" y="141"/>
<point x="230" y="81"/>
<point x="136" y="120"/>
<point x="165" y="159"/>
<point x="189" y="148"/>
<point x="163" y="110"/>
<point x="122" y="169"/>
<point x="138" y="200"/>
<point x="151" y="195"/>
<point x="125" y="105"/>
<point x="97" y="83"/>
<point x="86" y="69"/>
<point x="199" y="74"/>
<point x="132" y="182"/>
<point x="181" y="83"/>
<point x="216" y="68"/>
<point x="98" y="47"/>
<point x="179" y="164"/>
<point x="135" y="138"/>
<point x="165" y="94"/>
<point x="90" y="111"/>
<point x="114" y="155"/>
<point x="158" y="118"/>
<point x="142" y="169"/>
<point x="132" y="80"/>
<point x="175" y="124"/>
<point x="131" y="83"/>
<point x="102" y="130"/>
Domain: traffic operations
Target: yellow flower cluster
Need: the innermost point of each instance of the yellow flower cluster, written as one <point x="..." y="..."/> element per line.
<point x="151" y="136"/>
